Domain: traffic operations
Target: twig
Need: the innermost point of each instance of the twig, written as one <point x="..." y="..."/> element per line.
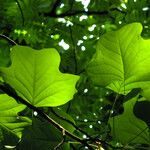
<point x="8" y="39"/>
<point x="19" y="6"/>
<point x="63" y="140"/>
<point x="74" y="51"/>
<point x="11" y="92"/>
<point x="76" y="127"/>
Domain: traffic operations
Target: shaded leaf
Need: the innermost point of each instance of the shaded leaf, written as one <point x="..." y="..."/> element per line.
<point x="142" y="111"/>
<point x="127" y="128"/>
<point x="43" y="136"/>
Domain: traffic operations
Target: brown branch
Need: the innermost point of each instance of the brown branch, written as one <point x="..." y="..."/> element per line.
<point x="11" y="92"/>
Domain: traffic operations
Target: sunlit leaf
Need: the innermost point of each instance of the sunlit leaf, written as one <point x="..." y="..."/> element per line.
<point x="10" y="121"/>
<point x="36" y="77"/>
<point x="121" y="60"/>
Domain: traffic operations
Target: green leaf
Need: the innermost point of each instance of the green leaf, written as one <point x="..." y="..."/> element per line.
<point x="10" y="121"/>
<point x="127" y="128"/>
<point x="122" y="59"/>
<point x="4" y="53"/>
<point x="43" y="135"/>
<point x="35" y="75"/>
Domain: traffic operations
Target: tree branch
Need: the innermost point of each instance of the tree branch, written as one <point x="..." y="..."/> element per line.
<point x="11" y="92"/>
<point x="78" y="12"/>
<point x="8" y="39"/>
<point x="19" y="6"/>
<point x="76" y="127"/>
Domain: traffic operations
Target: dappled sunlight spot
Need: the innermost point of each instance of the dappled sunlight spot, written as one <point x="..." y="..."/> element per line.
<point x="135" y="1"/>
<point x="107" y="93"/>
<point x="123" y="5"/>
<point x="77" y="117"/>
<point x="101" y="148"/>
<point x="63" y="44"/>
<point x="85" y="90"/>
<point x="145" y="8"/>
<point x="83" y="48"/>
<point x="94" y="114"/>
<point x="9" y="147"/>
<point x="69" y="23"/>
<point x="103" y="26"/>
<point x="91" y="36"/>
<point x="125" y="1"/>
<point x="111" y="111"/>
<point x="91" y="28"/>
<point x="101" y="99"/>
<point x="18" y="31"/>
<point x="120" y="22"/>
<point x="85" y="3"/>
<point x="85" y="37"/>
<point x="146" y="27"/>
<point x="35" y="113"/>
<point x="61" y="5"/>
<point x="85" y="120"/>
<point x="90" y="126"/>
<point x="42" y="23"/>
<point x="17" y="117"/>
<point x="84" y="136"/>
<point x="55" y="37"/>
<point x="83" y="17"/>
<point x="79" y="42"/>
<point x="100" y="108"/>
<point x="99" y="122"/>
<point x="63" y="20"/>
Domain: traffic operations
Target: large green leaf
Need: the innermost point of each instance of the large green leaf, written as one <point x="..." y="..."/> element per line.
<point x="127" y="128"/>
<point x="36" y="77"/>
<point x="122" y="59"/>
<point x="10" y="121"/>
<point x="43" y="136"/>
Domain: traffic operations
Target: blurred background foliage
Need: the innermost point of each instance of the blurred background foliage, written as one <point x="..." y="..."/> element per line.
<point x="73" y="28"/>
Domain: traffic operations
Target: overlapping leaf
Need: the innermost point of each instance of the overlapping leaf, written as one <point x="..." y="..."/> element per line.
<point x="122" y="60"/>
<point x="9" y="119"/>
<point x="127" y="128"/>
<point x="36" y="77"/>
<point x="42" y="135"/>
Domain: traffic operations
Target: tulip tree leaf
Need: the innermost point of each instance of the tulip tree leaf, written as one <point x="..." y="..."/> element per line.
<point x="127" y="128"/>
<point x="10" y="121"/>
<point x="35" y="75"/>
<point x="50" y="137"/>
<point x="121" y="60"/>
